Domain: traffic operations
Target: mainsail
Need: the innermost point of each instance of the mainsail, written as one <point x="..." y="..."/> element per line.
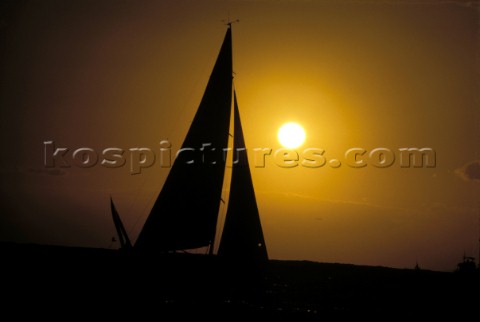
<point x="185" y="214"/>
<point x="242" y="237"/>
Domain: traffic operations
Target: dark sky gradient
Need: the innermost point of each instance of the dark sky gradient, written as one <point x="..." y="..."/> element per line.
<point x="129" y="74"/>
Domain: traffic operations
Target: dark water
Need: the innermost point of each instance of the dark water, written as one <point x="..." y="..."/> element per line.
<point x="88" y="281"/>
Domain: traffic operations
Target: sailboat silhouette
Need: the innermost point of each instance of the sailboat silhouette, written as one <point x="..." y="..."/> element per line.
<point x="185" y="213"/>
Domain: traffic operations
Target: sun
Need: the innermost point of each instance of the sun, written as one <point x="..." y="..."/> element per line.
<point x="291" y="135"/>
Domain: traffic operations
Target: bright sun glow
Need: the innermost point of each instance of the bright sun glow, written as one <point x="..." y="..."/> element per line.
<point x="291" y="135"/>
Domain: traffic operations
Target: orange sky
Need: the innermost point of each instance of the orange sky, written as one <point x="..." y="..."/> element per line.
<point x="130" y="74"/>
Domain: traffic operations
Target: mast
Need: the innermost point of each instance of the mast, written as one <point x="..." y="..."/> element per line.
<point x="242" y="238"/>
<point x="185" y="213"/>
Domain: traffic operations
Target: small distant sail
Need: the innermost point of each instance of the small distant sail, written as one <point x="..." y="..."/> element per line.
<point x="121" y="232"/>
<point x="242" y="238"/>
